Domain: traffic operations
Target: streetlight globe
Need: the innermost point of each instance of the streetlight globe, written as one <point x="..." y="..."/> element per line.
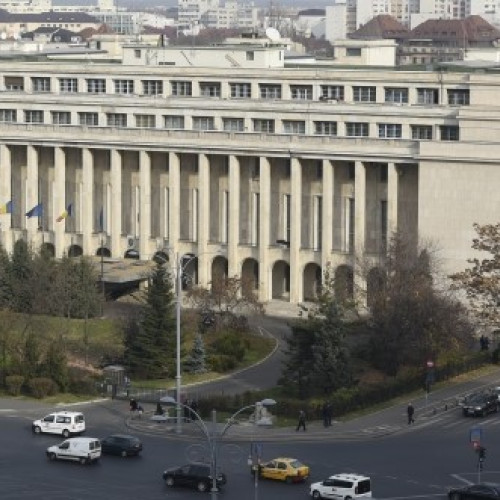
<point x="168" y="400"/>
<point x="268" y="402"/>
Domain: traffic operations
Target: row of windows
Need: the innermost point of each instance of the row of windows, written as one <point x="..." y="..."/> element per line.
<point x="298" y="127"/>
<point x="360" y="93"/>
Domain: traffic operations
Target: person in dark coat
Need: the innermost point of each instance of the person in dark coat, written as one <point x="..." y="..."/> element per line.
<point x="302" y="421"/>
<point x="410" y="411"/>
<point x="324" y="414"/>
<point x="329" y="413"/>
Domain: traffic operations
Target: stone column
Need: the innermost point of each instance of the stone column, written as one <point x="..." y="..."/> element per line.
<point x="234" y="264"/>
<point x="359" y="232"/>
<point x="31" y="223"/>
<point x="5" y="197"/>
<point x="145" y="207"/>
<point x="328" y="185"/>
<point x="87" y="203"/>
<point x="296" y="271"/>
<point x="265" y="287"/>
<point x="174" y="210"/>
<point x="204" y="271"/>
<point x="392" y="200"/>
<point x="116" y="203"/>
<point x="59" y="200"/>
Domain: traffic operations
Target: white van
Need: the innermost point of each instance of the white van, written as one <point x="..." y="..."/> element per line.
<point x="65" y="423"/>
<point x="80" y="449"/>
<point x="342" y="487"/>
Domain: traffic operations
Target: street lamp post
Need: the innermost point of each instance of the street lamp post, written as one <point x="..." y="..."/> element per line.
<point x="214" y="436"/>
<point x="178" y="340"/>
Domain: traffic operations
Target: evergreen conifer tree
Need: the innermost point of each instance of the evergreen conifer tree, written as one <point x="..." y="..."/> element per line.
<point x="196" y="361"/>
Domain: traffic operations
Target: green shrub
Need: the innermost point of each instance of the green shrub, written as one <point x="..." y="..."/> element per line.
<point x="41" y="387"/>
<point x="222" y="363"/>
<point x="230" y="344"/>
<point x="14" y="384"/>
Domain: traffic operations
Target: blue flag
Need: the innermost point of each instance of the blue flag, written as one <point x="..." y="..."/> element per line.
<point x="7" y="208"/>
<point x="36" y="211"/>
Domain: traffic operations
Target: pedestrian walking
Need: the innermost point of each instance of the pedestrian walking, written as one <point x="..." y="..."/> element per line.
<point x="302" y="421"/>
<point x="329" y="413"/>
<point x="410" y="411"/>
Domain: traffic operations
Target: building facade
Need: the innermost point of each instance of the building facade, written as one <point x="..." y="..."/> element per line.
<point x="269" y="173"/>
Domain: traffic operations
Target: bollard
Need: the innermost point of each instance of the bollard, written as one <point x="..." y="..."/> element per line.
<point x="445" y="407"/>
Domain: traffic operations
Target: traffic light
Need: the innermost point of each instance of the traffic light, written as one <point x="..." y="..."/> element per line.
<point x="482" y="453"/>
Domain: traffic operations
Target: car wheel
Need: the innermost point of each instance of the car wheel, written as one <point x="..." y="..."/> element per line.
<point x="52" y="456"/>
<point x="289" y="480"/>
<point x="84" y="461"/>
<point x="455" y="496"/>
<point x="65" y="433"/>
<point x="37" y="430"/>
<point x="202" y="486"/>
<point x="316" y="494"/>
<point x="123" y="453"/>
<point x="169" y="481"/>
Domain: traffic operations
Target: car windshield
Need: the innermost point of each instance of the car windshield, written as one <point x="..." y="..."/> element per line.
<point x="296" y="464"/>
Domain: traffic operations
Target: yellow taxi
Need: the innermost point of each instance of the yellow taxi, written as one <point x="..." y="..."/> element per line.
<point x="289" y="470"/>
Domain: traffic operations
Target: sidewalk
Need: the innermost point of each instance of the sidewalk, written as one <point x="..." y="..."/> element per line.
<point x="390" y="420"/>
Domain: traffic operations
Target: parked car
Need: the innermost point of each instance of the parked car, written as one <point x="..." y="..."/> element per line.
<point x="80" y="449"/>
<point x="484" y="491"/>
<point x="66" y="423"/>
<point x="289" y="470"/>
<point x="194" y="475"/>
<point x="121" y="444"/>
<point x="343" y="487"/>
<point x="478" y="405"/>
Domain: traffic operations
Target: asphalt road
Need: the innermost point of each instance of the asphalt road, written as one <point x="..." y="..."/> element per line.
<point x="419" y="463"/>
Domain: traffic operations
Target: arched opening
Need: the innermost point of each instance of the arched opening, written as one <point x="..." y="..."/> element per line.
<point x="219" y="268"/>
<point x="103" y="252"/>
<point x="344" y="283"/>
<point x="160" y="257"/>
<point x="132" y="253"/>
<point x="249" y="276"/>
<point x="375" y="284"/>
<point x="281" y="280"/>
<point x="75" y="251"/>
<point x="312" y="282"/>
<point x="189" y="270"/>
<point x="48" y="249"/>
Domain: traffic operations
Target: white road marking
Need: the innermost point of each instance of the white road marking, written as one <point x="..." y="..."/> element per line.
<point x="458" y="477"/>
<point x="434" y="495"/>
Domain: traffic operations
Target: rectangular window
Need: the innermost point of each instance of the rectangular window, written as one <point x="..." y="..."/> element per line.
<point x="210" y="89"/>
<point x="68" y="85"/>
<point x="61" y="117"/>
<point x="287" y="212"/>
<point x="137" y="53"/>
<point x="33" y="116"/>
<point x="353" y="52"/>
<point x="260" y="125"/>
<point x="383" y="224"/>
<point x="181" y="88"/>
<point x="203" y="123"/>
<point x="88" y="119"/>
<point x="152" y="87"/>
<point x="294" y="127"/>
<point x="15" y="83"/>
<point x="145" y="121"/>
<point x="240" y="90"/>
<point x="250" y="55"/>
<point x="269" y="91"/>
<point x="325" y="128"/>
<point x="427" y="96"/>
<point x="335" y="92"/>
<point x="421" y="132"/>
<point x="449" y="132"/>
<point x="116" y="119"/>
<point x="301" y="92"/>
<point x="458" y="97"/>
<point x="255" y="226"/>
<point x="364" y="94"/>
<point x="40" y="84"/>
<point x="233" y="124"/>
<point x="124" y="86"/>
<point x="355" y="129"/>
<point x="389" y="130"/>
<point x="317" y="222"/>
<point x="396" y="95"/>
<point x="96" y="85"/>
<point x="8" y="115"/>
<point x="349" y="225"/>
<point x="173" y="121"/>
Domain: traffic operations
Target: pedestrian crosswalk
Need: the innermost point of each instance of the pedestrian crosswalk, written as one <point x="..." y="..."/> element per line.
<point x="455" y="422"/>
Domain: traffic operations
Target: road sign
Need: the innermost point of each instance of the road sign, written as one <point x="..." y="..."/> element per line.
<point x="475" y="436"/>
<point x="430" y="364"/>
<point x="256" y="450"/>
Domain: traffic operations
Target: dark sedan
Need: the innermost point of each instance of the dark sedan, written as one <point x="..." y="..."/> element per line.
<point x="194" y="475"/>
<point x="121" y="444"/>
<point x="478" y="405"/>
<point x="485" y="491"/>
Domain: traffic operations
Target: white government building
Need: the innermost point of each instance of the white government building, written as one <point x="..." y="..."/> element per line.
<point x="259" y="169"/>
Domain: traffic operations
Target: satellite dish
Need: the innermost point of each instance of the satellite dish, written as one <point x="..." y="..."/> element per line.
<point x="273" y="34"/>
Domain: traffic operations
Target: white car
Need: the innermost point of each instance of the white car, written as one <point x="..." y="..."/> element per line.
<point x="80" y="449"/>
<point x="343" y="487"/>
<point x="65" y="423"/>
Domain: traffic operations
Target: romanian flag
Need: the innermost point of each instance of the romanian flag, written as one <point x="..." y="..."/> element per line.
<point x="7" y="208"/>
<point x="67" y="213"/>
<point x="36" y="211"/>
